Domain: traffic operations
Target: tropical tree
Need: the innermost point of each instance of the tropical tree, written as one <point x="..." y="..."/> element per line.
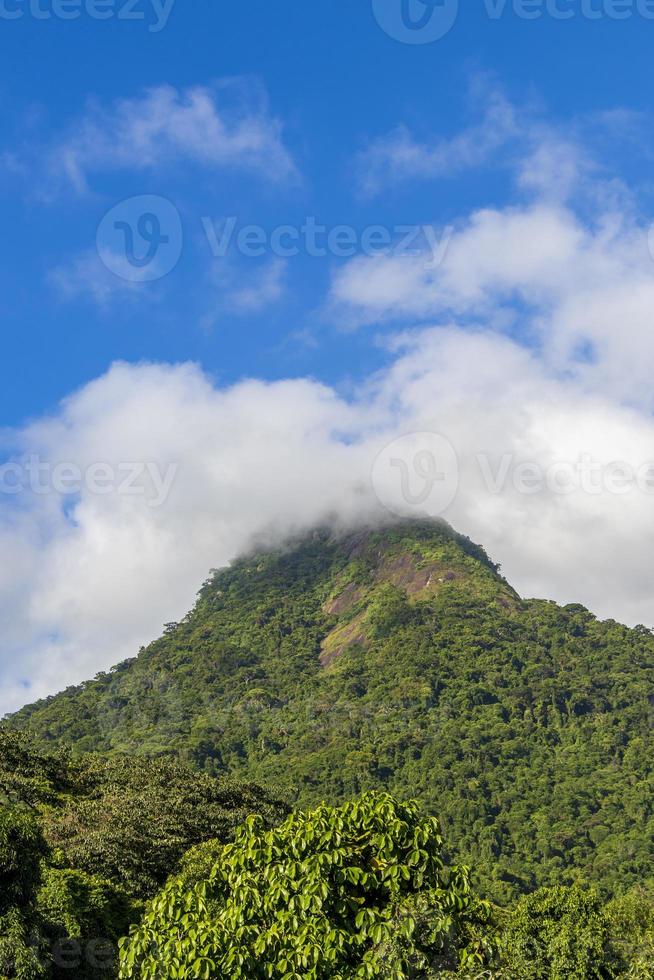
<point x="561" y="933"/>
<point x="356" y="891"/>
<point x="21" y="849"/>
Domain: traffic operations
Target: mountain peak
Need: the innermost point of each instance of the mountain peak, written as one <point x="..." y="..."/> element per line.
<point x="396" y="656"/>
<point x="406" y="561"/>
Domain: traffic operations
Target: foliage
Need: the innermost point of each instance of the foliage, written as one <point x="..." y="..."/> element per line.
<point x="21" y="848"/>
<point x="27" y="776"/>
<point x="477" y="940"/>
<point x="83" y="841"/>
<point x="399" y="659"/>
<point x="396" y="660"/>
<point x="126" y="820"/>
<point x="21" y="947"/>
<point x="265" y="893"/>
<point x="133" y="819"/>
<point x="559" y="934"/>
<point x="323" y="896"/>
<point x="632" y="929"/>
<point x="83" y="917"/>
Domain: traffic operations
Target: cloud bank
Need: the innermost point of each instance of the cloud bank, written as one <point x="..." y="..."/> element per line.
<point x="528" y="354"/>
<point x="87" y="579"/>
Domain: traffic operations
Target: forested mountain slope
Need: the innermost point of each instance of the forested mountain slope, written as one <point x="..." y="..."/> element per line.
<point x="399" y="658"/>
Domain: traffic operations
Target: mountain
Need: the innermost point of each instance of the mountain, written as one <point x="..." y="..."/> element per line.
<point x="400" y="658"/>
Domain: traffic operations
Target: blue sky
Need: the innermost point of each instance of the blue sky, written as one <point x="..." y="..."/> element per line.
<point x="265" y="264"/>
<point x="335" y="81"/>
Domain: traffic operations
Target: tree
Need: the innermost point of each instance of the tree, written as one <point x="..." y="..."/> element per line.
<point x="82" y="918"/>
<point x="632" y="929"/>
<point x="327" y="895"/>
<point x="21" y="849"/>
<point x="559" y="934"/>
<point x="28" y="776"/>
<point x="84" y="840"/>
<point x="132" y="820"/>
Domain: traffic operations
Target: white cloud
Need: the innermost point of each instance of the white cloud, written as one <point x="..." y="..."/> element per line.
<point x="85" y="584"/>
<point x="563" y="263"/>
<point x="549" y="160"/>
<point x="572" y="287"/>
<point x="164" y="126"/>
<point x="400" y="155"/>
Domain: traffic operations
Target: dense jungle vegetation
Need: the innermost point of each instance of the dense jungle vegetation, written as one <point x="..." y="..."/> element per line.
<point x="108" y="869"/>
<point x="383" y="665"/>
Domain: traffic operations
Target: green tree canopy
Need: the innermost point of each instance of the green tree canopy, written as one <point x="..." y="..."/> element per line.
<point x="22" y="848"/>
<point x="559" y="934"/>
<point x="83" y="841"/>
<point x="329" y="894"/>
